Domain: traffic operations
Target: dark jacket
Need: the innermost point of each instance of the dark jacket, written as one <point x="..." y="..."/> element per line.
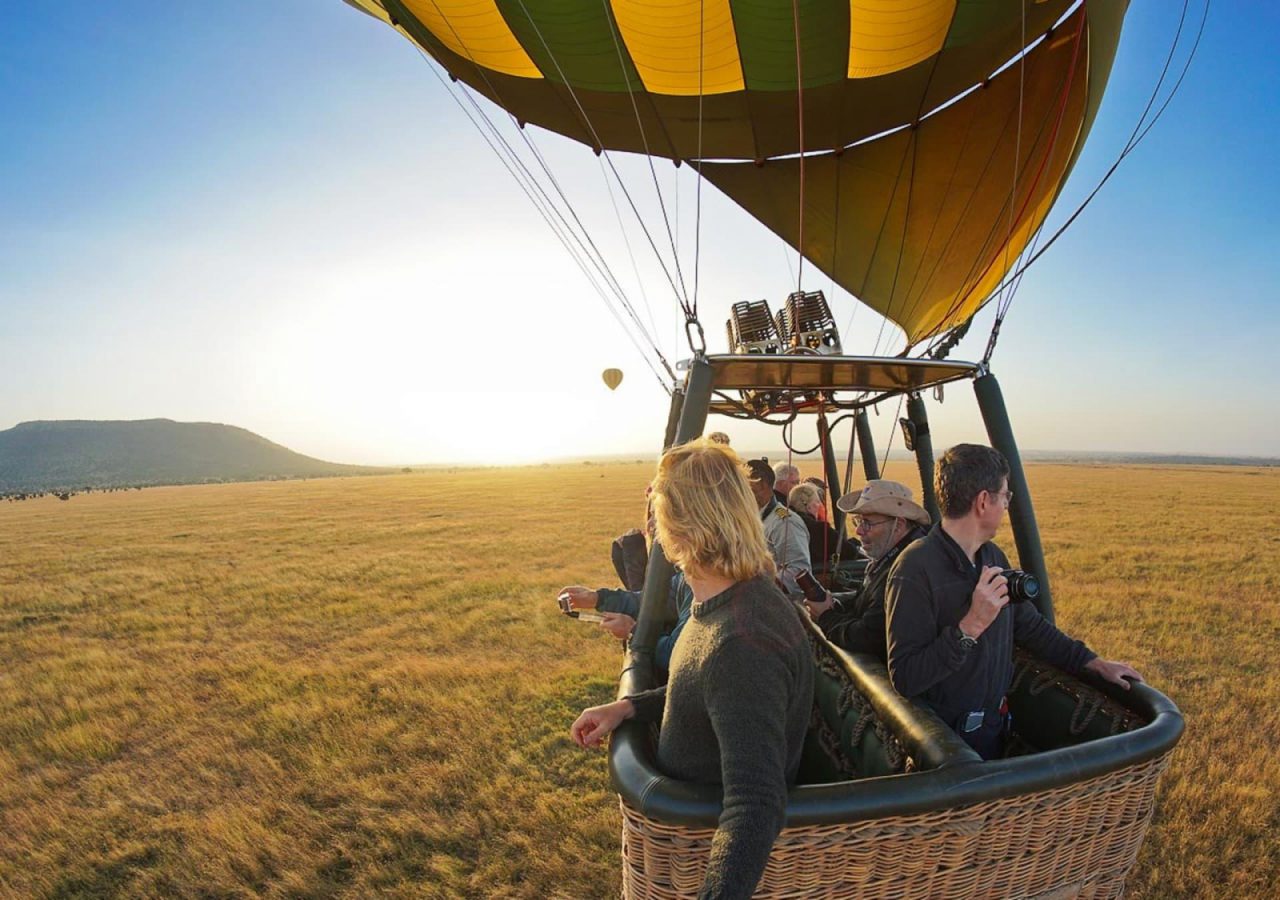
<point x="735" y="714"/>
<point x="823" y="542"/>
<point x="860" y="627"/>
<point x="929" y="592"/>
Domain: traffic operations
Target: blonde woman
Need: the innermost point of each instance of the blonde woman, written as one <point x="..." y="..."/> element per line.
<point x="737" y="703"/>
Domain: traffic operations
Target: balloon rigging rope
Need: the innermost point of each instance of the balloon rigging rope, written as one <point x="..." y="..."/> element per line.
<point x="955" y="226"/>
<point x="1001" y="306"/>
<point x="795" y="20"/>
<point x="626" y="242"/>
<point x="893" y="432"/>
<point x="682" y="295"/>
<point x="691" y="311"/>
<point x="902" y="245"/>
<point x="697" y="205"/>
<point x="1135" y="139"/>
<point x="562" y="232"/>
<point x="974" y="267"/>
<point x="597" y="260"/>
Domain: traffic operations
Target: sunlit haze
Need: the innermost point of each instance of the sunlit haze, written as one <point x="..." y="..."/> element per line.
<point x="275" y="216"/>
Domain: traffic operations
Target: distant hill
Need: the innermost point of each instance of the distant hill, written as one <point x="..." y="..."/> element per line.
<point x="44" y="456"/>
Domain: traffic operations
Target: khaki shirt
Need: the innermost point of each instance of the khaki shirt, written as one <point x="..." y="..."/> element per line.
<point x="788" y="540"/>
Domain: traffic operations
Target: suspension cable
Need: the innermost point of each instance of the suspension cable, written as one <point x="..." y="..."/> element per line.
<point x="1132" y="145"/>
<point x="528" y="185"/>
<point x="545" y="208"/>
<point x="680" y="292"/>
<point x="893" y="432"/>
<point x="595" y="255"/>
<point x="795" y="24"/>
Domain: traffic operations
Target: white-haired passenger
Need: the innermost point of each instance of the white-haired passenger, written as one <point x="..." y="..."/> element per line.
<point x="825" y="545"/>
<point x="785" y="477"/>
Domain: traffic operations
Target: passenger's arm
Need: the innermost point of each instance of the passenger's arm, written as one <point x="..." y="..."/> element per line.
<point x="649" y="704"/>
<point x="863" y="633"/>
<point x="598" y="722"/>
<point x="1043" y="639"/>
<point x="625" y="602"/>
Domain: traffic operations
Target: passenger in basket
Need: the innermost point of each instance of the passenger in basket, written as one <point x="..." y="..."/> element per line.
<point x="785" y="477"/>
<point x="737" y="705"/>
<point x="806" y="501"/>
<point x="887" y="520"/>
<point x="785" y="534"/>
<point x="950" y="626"/>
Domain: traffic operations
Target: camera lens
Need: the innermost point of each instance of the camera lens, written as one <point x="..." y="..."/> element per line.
<point x="1023" y="586"/>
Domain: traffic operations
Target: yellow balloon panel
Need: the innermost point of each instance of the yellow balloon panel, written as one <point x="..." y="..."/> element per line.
<point x="885" y="36"/>
<point x="922" y="224"/>
<point x="476" y="31"/>
<point x="681" y="47"/>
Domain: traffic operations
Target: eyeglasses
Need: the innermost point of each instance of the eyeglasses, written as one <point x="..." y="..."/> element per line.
<point x="1007" y="495"/>
<point x="863" y="523"/>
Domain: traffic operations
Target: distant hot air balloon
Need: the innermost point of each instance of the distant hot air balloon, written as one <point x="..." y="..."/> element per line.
<point x="612" y="377"/>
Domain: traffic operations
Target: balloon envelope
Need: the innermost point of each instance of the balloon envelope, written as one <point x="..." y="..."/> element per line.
<point x="917" y="208"/>
<point x="613" y="378"/>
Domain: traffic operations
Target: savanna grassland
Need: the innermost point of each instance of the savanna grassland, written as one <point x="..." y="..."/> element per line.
<point x="355" y="687"/>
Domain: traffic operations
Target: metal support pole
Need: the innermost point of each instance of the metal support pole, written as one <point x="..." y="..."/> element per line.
<point x="673" y="417"/>
<point x="1022" y="515"/>
<point x="832" y="474"/>
<point x="657" y="577"/>
<point x="919" y="417"/>
<point x="867" y="447"/>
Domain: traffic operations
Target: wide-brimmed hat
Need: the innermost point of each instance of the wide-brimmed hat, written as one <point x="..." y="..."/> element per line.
<point x="888" y="498"/>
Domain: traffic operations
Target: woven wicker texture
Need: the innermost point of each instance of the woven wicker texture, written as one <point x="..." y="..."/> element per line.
<point x="1075" y="841"/>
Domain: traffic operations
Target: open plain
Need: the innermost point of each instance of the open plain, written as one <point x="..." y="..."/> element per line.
<point x="361" y="686"/>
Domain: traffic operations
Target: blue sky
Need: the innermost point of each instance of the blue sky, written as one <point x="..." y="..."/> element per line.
<point x="273" y="215"/>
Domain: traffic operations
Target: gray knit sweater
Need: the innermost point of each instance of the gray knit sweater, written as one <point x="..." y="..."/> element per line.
<point x="734" y="713"/>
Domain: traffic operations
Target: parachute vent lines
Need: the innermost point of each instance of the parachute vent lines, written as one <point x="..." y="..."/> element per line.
<point x="751" y="328"/>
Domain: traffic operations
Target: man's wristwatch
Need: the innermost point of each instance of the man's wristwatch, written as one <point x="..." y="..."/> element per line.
<point x="966" y="643"/>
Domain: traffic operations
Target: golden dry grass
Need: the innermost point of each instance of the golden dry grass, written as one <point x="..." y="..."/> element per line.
<point x="360" y="686"/>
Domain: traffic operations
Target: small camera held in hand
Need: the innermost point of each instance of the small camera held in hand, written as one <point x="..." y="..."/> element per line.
<point x="582" y="615"/>
<point x="813" y="592"/>
<point x="1023" y="586"/>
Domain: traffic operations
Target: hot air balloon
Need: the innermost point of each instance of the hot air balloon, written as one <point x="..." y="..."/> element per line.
<point x="911" y="152"/>
<point x="612" y="378"/>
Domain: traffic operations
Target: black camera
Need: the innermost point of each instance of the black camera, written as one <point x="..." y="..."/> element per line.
<point x="1023" y="586"/>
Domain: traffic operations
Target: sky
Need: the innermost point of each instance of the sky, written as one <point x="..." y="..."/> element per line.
<point x="275" y="215"/>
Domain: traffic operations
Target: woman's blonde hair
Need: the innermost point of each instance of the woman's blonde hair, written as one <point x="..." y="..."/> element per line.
<point x="708" y="519"/>
<point x="803" y="496"/>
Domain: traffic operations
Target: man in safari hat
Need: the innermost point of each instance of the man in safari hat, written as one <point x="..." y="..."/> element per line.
<point x="886" y="520"/>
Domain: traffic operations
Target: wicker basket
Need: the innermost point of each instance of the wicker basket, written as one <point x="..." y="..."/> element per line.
<point x="1075" y="841"/>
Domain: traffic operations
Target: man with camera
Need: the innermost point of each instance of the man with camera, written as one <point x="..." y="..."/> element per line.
<point x="886" y="520"/>
<point x="952" y="618"/>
